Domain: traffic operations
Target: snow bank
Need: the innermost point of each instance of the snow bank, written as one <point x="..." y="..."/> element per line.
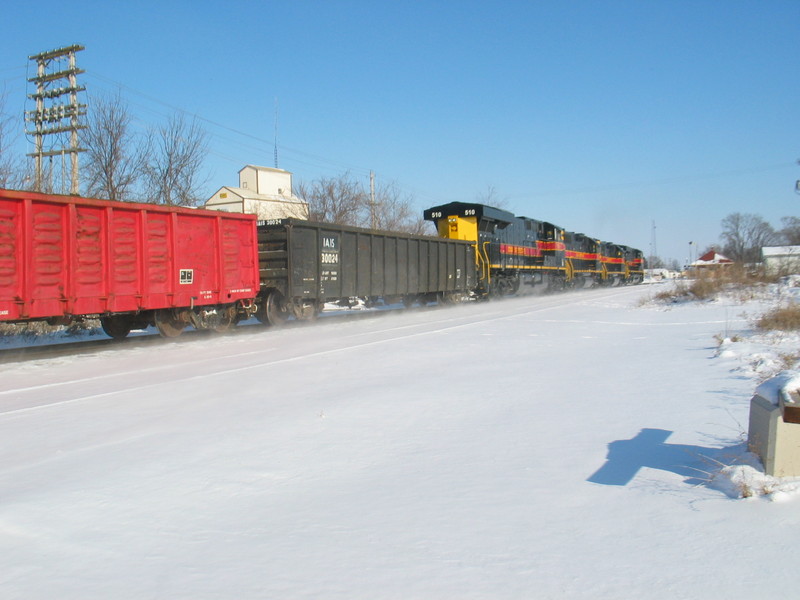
<point x="780" y="387"/>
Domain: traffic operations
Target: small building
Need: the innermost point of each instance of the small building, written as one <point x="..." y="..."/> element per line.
<point x="660" y="274"/>
<point x="711" y="259"/>
<point x="781" y="259"/>
<point x="264" y="192"/>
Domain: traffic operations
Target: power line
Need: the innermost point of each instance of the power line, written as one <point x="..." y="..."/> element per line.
<point x="656" y="182"/>
<point x="266" y="143"/>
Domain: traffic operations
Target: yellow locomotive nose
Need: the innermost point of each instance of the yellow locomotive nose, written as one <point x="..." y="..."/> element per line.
<point x="459" y="228"/>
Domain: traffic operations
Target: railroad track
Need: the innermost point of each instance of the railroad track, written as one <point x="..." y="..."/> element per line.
<point x="152" y="338"/>
<point x="65" y="347"/>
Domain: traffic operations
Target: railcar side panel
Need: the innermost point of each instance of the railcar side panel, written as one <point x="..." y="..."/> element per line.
<point x="412" y="262"/>
<point x="329" y="262"/>
<point x="88" y="255"/>
<point x="424" y="264"/>
<point x="47" y="282"/>
<point x="64" y="256"/>
<point x="11" y="283"/>
<point x="198" y="268"/>
<point x="348" y="283"/>
<point x="363" y="262"/>
<point x="124" y="269"/>
<point x="376" y="265"/>
<point x="157" y="260"/>
<point x="391" y="285"/>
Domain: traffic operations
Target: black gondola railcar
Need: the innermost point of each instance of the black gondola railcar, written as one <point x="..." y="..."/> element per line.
<point x="304" y="264"/>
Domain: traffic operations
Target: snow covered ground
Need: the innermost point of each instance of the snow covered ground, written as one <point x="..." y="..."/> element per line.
<point x="564" y="446"/>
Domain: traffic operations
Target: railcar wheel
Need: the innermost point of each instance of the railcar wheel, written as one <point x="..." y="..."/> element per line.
<point x="228" y="319"/>
<point x="273" y="310"/>
<point x="307" y="312"/>
<point x="116" y="326"/>
<point x="450" y="298"/>
<point x="505" y="286"/>
<point x="167" y="324"/>
<point x="426" y="299"/>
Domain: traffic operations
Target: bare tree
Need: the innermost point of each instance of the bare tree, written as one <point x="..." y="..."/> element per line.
<point x="395" y="211"/>
<point x="339" y="200"/>
<point x="11" y="166"/>
<point x="174" y="155"/>
<point x="491" y="198"/>
<point x="790" y="234"/>
<point x="712" y="248"/>
<point x="744" y="235"/>
<point x="345" y="201"/>
<point x="113" y="160"/>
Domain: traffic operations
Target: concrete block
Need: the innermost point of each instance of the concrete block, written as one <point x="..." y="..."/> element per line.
<point x="774" y="439"/>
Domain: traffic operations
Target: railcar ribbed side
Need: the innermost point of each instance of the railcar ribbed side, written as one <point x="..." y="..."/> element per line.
<point x="305" y="265"/>
<point x="65" y="258"/>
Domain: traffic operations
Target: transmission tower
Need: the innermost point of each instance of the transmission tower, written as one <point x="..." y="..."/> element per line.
<point x="57" y="112"/>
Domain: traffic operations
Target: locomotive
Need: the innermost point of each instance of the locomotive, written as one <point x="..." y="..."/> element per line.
<point x="518" y="254"/>
<point x="66" y="258"/>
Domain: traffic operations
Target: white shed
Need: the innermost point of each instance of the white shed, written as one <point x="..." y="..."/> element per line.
<point x="781" y="259"/>
<point x="264" y="192"/>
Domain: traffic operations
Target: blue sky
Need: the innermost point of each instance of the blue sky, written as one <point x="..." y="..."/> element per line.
<point x="603" y="117"/>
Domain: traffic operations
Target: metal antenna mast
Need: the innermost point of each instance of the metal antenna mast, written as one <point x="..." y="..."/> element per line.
<point x="276" y="132"/>
<point x="57" y="111"/>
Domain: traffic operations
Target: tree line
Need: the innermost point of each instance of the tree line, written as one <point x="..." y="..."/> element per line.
<point x="161" y="166"/>
<point x="164" y="165"/>
<point x="744" y="234"/>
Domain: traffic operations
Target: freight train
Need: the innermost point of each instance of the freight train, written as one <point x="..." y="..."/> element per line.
<point x="66" y="258"/>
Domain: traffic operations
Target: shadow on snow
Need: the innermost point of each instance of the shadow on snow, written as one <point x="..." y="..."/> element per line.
<point x="649" y="448"/>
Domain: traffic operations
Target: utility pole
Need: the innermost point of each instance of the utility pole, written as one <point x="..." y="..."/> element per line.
<point x="57" y="112"/>
<point x="797" y="183"/>
<point x="653" y="250"/>
<point x="372" y="213"/>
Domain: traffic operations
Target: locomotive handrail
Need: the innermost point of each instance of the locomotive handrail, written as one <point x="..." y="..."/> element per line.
<point x="486" y="270"/>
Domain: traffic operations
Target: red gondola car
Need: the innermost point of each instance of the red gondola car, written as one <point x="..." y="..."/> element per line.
<point x="65" y="257"/>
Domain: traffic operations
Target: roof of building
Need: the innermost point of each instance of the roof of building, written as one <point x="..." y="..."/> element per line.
<point x="780" y="251"/>
<point x="258" y="168"/>
<point x="247" y="194"/>
<point x="712" y="257"/>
